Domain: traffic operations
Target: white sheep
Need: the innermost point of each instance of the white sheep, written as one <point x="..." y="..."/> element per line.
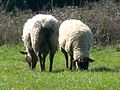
<point x="40" y="37"/>
<point x="75" y="38"/>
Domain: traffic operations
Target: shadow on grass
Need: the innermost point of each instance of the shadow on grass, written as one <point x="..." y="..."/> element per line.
<point x="96" y="69"/>
<point x="103" y="69"/>
<point x="58" y="71"/>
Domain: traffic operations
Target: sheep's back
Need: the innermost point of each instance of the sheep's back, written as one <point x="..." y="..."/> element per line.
<point x="38" y="29"/>
<point x="74" y="32"/>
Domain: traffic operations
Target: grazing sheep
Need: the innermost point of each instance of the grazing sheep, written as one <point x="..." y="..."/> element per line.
<point x="40" y="37"/>
<point x="75" y="39"/>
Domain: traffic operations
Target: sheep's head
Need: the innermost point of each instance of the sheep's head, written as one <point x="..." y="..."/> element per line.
<point x="83" y="62"/>
<point x="28" y="58"/>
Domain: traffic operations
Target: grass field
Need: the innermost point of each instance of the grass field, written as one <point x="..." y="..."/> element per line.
<point x="103" y="74"/>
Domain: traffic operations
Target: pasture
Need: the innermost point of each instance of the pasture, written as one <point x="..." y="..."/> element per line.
<point x="103" y="74"/>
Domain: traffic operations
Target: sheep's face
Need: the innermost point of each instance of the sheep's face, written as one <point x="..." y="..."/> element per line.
<point x="28" y="58"/>
<point x="83" y="63"/>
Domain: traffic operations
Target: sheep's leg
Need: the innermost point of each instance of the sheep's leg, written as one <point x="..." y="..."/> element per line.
<point x="71" y="61"/>
<point x="43" y="64"/>
<point x="66" y="56"/>
<point x="40" y="58"/>
<point x="44" y="57"/>
<point x="52" y="53"/>
<point x="33" y="65"/>
<point x="74" y="64"/>
<point x="52" y="48"/>
<point x="51" y="61"/>
<point x="34" y="59"/>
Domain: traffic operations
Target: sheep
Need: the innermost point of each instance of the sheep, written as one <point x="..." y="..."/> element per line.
<point x="75" y="39"/>
<point x="40" y="37"/>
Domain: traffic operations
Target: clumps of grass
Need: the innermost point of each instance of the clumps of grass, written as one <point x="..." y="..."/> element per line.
<point x="103" y="74"/>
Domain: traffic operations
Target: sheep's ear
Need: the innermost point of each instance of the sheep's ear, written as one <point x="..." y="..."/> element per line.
<point x="22" y="52"/>
<point x="91" y="60"/>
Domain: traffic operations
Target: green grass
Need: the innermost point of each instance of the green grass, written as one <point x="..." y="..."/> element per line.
<point x="103" y="74"/>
